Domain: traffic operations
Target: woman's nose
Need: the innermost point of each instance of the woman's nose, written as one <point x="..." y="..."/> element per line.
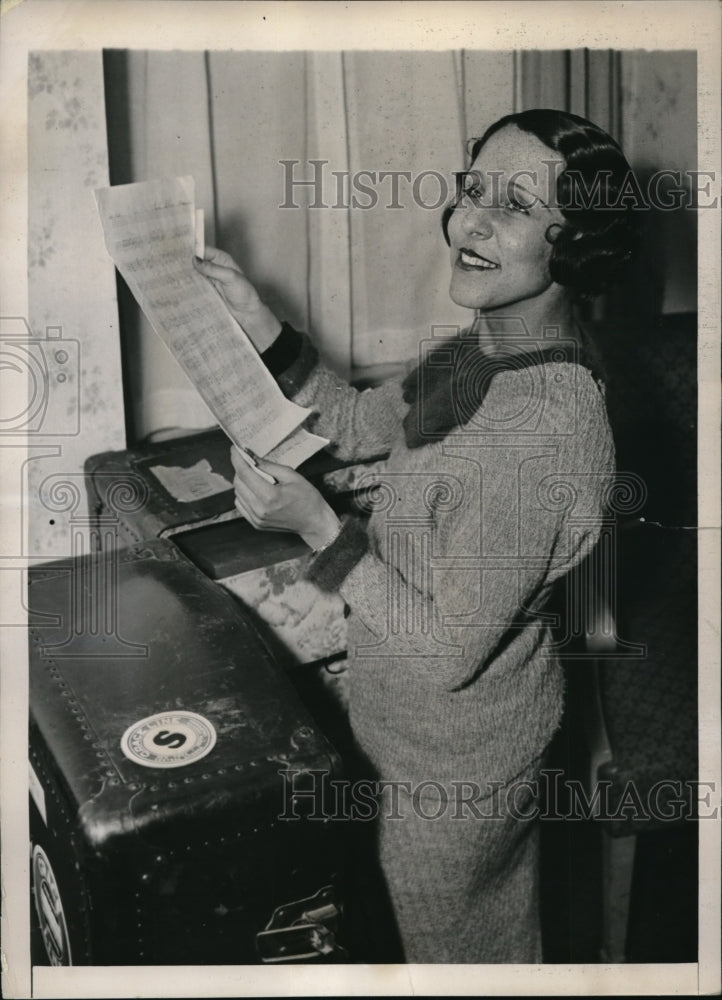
<point x="476" y="221"/>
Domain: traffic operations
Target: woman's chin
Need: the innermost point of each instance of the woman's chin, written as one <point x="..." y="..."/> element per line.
<point x="464" y="297"/>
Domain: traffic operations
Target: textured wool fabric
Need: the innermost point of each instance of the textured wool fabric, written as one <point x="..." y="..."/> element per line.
<point x="453" y="675"/>
<point x="463" y="879"/>
<point x="329" y="568"/>
<point x="447" y="388"/>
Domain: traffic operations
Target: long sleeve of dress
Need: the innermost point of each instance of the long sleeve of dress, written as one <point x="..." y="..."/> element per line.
<point x="360" y="424"/>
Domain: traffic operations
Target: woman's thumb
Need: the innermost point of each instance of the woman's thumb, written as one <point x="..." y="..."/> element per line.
<point x="216" y="256"/>
<point x="275" y="469"/>
<point x="214" y="271"/>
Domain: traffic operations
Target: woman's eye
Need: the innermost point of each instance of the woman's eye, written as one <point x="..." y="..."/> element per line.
<point x="516" y="206"/>
<point x="474" y="194"/>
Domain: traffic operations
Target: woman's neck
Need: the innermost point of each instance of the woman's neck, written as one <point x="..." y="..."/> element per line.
<point x="526" y="325"/>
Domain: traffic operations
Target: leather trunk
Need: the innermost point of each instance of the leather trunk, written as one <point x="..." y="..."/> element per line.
<point x="162" y="821"/>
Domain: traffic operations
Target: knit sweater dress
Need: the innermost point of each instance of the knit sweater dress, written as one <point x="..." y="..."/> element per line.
<point x="485" y="500"/>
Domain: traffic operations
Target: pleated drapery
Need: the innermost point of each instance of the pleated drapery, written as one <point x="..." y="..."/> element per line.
<point x="167" y="133"/>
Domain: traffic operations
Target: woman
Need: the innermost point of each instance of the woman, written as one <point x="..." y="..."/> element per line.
<point x="500" y="454"/>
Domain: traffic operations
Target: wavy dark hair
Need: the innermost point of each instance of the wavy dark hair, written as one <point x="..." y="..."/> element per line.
<point x="601" y="231"/>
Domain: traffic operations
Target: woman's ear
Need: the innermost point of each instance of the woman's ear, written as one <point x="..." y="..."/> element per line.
<point x="553" y="232"/>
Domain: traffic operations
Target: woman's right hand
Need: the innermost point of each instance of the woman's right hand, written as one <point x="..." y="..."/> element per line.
<point x="240" y="296"/>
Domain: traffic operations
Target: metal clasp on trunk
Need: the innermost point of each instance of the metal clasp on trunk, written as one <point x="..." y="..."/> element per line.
<point x="301" y="930"/>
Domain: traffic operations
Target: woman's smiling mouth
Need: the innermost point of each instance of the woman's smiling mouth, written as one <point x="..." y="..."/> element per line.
<point x="470" y="259"/>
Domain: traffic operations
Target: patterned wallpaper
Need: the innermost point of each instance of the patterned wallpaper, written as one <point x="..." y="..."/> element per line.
<point x="72" y="295"/>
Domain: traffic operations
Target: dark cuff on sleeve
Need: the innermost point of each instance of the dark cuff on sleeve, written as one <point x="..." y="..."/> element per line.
<point x="290" y="359"/>
<point x="332" y="565"/>
<point x="283" y="351"/>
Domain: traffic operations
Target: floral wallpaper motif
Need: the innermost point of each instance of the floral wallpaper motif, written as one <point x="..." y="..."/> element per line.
<point x="65" y="101"/>
<point x="71" y="288"/>
<point x="48" y="74"/>
<point x="41" y="240"/>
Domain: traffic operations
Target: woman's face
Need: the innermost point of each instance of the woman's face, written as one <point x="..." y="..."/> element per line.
<point x="499" y="250"/>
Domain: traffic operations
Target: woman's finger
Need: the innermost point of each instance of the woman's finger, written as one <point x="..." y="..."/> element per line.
<point x="216" y="256"/>
<point x="281" y="473"/>
<point x="216" y="272"/>
<point x="260" y="483"/>
<point x="248" y="503"/>
<point x="245" y="511"/>
<point x="239" y="461"/>
<point x="251" y="494"/>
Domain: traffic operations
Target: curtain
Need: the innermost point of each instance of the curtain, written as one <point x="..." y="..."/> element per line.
<point x="158" y="125"/>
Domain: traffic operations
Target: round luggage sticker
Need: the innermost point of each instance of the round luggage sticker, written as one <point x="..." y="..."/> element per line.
<point x="168" y="739"/>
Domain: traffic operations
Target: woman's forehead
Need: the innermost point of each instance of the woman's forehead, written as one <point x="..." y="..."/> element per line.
<point x="513" y="154"/>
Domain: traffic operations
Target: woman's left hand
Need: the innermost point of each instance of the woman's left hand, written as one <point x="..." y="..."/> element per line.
<point x="290" y="503"/>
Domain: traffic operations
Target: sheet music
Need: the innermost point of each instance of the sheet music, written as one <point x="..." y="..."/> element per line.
<point x="296" y="448"/>
<point x="150" y="233"/>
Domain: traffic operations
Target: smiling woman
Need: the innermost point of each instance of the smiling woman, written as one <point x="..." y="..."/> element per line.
<point x="555" y="182"/>
<point x="500" y="459"/>
<point x="500" y="252"/>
